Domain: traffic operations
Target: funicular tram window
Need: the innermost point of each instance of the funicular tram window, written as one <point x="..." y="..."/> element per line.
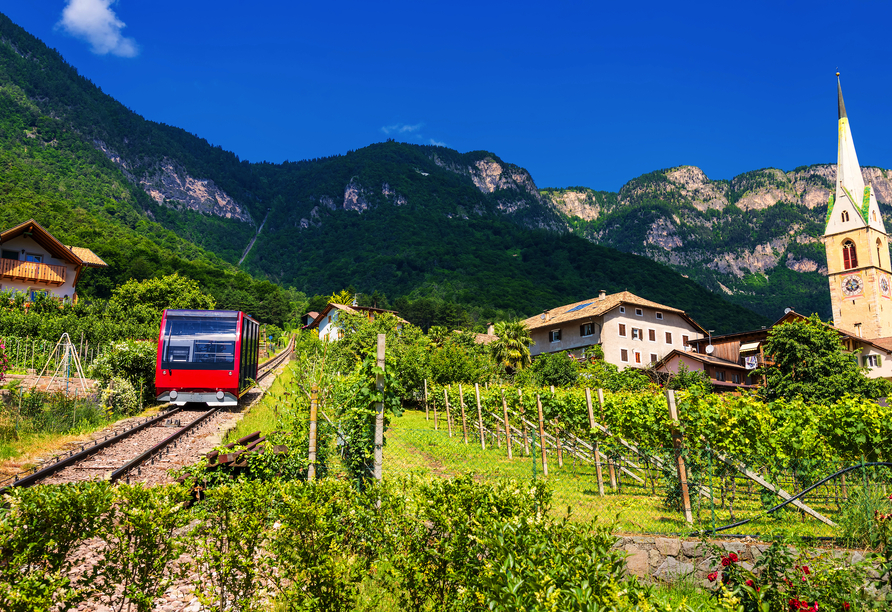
<point x="199" y="340"/>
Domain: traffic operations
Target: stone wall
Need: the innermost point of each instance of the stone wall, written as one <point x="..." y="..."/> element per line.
<point x="671" y="559"/>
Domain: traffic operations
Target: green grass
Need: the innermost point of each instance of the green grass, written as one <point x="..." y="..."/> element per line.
<point x="414" y="446"/>
<point x="262" y="416"/>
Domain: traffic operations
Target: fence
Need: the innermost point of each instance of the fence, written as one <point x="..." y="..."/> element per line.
<point x="42" y="412"/>
<point x="27" y="354"/>
<point x="640" y="490"/>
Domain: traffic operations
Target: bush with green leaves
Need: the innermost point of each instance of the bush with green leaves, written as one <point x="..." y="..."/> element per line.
<point x="131" y="360"/>
<point x="550" y="369"/>
<point x="119" y="397"/>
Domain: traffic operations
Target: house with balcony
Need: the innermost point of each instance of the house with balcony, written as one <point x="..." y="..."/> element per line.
<point x="32" y="260"/>
<point x="632" y="331"/>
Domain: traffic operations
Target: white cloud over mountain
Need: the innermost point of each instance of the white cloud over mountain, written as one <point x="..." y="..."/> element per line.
<point x="95" y="22"/>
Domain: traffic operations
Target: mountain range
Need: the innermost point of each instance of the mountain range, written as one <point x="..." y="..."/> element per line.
<point x="406" y="220"/>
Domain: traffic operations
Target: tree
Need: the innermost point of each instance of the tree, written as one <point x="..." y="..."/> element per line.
<point x="809" y="361"/>
<point x="512" y="348"/>
<point x="143" y="301"/>
<point x="558" y="369"/>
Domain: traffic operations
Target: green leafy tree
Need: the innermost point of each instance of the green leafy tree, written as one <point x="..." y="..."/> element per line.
<point x="809" y="361"/>
<point x="512" y="348"/>
<point x="144" y="301"/>
<point x="557" y="369"/>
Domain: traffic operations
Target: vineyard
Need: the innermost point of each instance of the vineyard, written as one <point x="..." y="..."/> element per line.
<point x="613" y="454"/>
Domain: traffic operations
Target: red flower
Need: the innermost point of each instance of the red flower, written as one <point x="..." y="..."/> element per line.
<point x="846" y="605"/>
<point x="713" y="576"/>
<point x="794" y="604"/>
<point x="749" y="583"/>
<point x="726" y="561"/>
<point x="806" y="570"/>
<point x="733" y="557"/>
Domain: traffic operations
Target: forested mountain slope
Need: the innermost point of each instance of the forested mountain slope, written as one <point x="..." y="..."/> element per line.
<point x="755" y="238"/>
<point x="396" y="218"/>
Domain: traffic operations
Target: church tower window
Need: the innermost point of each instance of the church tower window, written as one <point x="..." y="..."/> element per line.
<point x="879" y="251"/>
<point x="845" y="216"/>
<point x="849" y="256"/>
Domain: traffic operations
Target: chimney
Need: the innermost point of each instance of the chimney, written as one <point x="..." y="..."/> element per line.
<point x="602" y="295"/>
<point x="546" y="315"/>
<point x="490" y="329"/>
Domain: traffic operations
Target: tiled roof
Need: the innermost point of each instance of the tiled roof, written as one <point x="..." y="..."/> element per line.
<point x="594" y="307"/>
<point x="89" y="257"/>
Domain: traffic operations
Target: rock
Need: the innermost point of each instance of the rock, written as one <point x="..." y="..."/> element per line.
<point x="672" y="570"/>
<point x="691" y="549"/>
<point x="637" y="563"/>
<point x="669" y="547"/>
<point x="655" y="558"/>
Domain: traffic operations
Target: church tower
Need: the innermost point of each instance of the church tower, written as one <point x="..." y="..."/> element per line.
<point x="857" y="246"/>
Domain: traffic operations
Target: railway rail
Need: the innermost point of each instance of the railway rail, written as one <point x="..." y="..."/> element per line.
<point x="142" y="434"/>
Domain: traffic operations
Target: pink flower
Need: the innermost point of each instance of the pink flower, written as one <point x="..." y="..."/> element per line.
<point x="713" y="576"/>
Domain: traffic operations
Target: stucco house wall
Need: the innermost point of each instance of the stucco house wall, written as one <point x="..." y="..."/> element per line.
<point x="31" y="247"/>
<point x="648" y="346"/>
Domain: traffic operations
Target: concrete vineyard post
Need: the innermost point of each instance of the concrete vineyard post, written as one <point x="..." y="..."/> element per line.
<point x="311" y="470"/>
<point x="507" y="427"/>
<point x="479" y="416"/>
<point x="448" y="413"/>
<point x="610" y="466"/>
<point x="678" y="444"/>
<point x="464" y="420"/>
<point x="542" y="437"/>
<point x="595" y="446"/>
<point x="523" y="424"/>
<point x="379" y="411"/>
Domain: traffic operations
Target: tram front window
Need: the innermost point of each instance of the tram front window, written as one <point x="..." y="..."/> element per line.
<point x="199" y="340"/>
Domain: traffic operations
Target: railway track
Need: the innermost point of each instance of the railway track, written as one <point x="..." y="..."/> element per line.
<point x="144" y="451"/>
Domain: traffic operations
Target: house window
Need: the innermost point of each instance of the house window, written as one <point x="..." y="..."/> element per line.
<point x="652" y="335"/>
<point x="639" y="312"/>
<point x="622" y="329"/>
<point x="623" y="355"/>
<point x="622" y="310"/>
<point x="637" y="356"/>
<point x="11" y="255"/>
<point x="585" y="329"/>
<point x="637" y="333"/>
<point x="555" y="335"/>
<point x="719" y="375"/>
<point x="735" y="378"/>
<point x="684" y="340"/>
<point x="653" y="358"/>
<point x="659" y="316"/>
<point x="872" y="361"/>
<point x="668" y="337"/>
<point x="849" y="256"/>
<point x="844" y="216"/>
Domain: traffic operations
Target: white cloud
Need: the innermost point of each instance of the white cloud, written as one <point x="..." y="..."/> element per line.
<point x="401" y="128"/>
<point x="438" y="143"/>
<point x="95" y="22"/>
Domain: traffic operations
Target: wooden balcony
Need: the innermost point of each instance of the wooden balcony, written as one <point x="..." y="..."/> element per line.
<point x="31" y="272"/>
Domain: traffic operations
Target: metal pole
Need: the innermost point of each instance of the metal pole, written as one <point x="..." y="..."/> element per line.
<point x="311" y="471"/>
<point x="379" y="410"/>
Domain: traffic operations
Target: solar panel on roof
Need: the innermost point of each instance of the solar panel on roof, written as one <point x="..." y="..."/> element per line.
<point x="580" y="307"/>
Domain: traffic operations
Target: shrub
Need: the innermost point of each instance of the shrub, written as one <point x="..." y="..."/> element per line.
<point x="129" y="359"/>
<point x="119" y="396"/>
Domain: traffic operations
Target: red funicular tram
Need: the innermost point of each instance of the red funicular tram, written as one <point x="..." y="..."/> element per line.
<point x="207" y="356"/>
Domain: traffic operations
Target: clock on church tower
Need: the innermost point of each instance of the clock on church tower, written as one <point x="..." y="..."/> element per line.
<point x="857" y="246"/>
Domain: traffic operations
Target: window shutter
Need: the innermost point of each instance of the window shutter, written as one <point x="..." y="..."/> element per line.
<point x="879" y="360"/>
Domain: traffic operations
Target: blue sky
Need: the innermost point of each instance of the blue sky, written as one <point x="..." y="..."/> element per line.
<point x="579" y="93"/>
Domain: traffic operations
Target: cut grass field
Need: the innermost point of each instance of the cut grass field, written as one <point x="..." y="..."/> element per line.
<point x="414" y="446"/>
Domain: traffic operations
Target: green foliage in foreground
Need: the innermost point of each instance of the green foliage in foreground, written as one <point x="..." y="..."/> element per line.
<point x="415" y="544"/>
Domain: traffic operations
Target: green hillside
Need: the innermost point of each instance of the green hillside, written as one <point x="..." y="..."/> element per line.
<point x="400" y="219"/>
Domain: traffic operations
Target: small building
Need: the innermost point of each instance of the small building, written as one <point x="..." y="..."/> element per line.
<point x="632" y="331"/>
<point x="32" y="261"/>
<point x="327" y="320"/>
<point x="308" y="318"/>
<point x="730" y="359"/>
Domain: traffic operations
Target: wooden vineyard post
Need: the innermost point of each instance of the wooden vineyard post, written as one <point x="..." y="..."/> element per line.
<point x="436" y="423"/>
<point x="557" y="440"/>
<point x="542" y="437"/>
<point x="379" y="411"/>
<point x="427" y="416"/>
<point x="610" y="466"/>
<point x="448" y="413"/>
<point x="311" y="470"/>
<point x="523" y="424"/>
<point x="464" y="420"/>
<point x="595" y="446"/>
<point x="507" y="427"/>
<point x="479" y="416"/>
<point x="678" y="444"/>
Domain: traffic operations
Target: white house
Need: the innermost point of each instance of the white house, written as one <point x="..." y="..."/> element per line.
<point x="327" y="320"/>
<point x="34" y="261"/>
<point x="632" y="331"/>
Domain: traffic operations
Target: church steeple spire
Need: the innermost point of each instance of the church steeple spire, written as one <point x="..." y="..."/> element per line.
<point x="840" y="103"/>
